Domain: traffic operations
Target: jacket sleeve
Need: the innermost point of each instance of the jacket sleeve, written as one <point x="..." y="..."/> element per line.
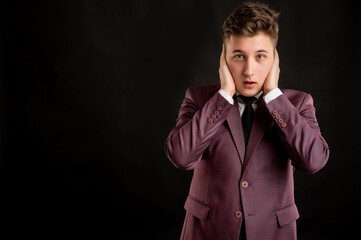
<point x="195" y="127"/>
<point x="299" y="130"/>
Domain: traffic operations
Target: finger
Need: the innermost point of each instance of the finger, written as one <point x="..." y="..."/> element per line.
<point x="277" y="56"/>
<point x="277" y="61"/>
<point x="221" y="60"/>
<point x="224" y="52"/>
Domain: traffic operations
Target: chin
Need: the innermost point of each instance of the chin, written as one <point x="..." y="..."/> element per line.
<point x="248" y="92"/>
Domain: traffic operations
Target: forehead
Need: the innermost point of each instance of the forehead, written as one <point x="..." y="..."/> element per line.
<point x="249" y="43"/>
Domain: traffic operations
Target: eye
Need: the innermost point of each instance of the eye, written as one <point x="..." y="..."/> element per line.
<point x="260" y="57"/>
<point x="239" y="56"/>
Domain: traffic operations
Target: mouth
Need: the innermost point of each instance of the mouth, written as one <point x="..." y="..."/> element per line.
<point x="249" y="84"/>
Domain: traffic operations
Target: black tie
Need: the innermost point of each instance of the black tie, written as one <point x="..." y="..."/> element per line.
<point x="247" y="116"/>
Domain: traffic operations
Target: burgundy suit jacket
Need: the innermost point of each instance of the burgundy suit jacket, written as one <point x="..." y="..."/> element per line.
<point x="230" y="185"/>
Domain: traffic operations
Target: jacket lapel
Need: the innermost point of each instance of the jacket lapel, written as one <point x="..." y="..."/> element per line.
<point x="260" y="124"/>
<point x="235" y="125"/>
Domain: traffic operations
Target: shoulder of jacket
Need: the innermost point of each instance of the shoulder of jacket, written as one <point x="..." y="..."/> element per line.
<point x="206" y="88"/>
<point x="202" y="93"/>
<point x="292" y="92"/>
<point x="296" y="97"/>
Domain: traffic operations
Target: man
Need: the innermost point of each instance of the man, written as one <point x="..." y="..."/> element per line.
<point x="244" y="137"/>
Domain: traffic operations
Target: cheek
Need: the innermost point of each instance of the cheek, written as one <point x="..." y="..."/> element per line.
<point x="235" y="68"/>
<point x="263" y="71"/>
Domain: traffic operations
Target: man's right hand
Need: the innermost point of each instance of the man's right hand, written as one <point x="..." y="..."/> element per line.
<point x="227" y="82"/>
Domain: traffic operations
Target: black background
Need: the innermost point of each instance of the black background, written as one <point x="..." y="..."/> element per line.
<point x="91" y="89"/>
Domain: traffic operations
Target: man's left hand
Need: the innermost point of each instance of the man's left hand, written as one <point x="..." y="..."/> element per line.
<point x="271" y="81"/>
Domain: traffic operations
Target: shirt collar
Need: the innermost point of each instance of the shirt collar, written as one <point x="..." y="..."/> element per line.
<point x="256" y="96"/>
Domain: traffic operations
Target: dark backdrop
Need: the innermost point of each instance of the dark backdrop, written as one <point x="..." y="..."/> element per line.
<point x="91" y="89"/>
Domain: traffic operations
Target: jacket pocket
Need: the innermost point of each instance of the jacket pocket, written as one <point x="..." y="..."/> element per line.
<point x="287" y="215"/>
<point x="196" y="208"/>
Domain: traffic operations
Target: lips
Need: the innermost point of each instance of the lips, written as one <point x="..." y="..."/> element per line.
<point x="249" y="84"/>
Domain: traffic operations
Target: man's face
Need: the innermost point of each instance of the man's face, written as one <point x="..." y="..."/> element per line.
<point x="250" y="60"/>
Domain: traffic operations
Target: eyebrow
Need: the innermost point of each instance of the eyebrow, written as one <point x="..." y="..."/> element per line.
<point x="240" y="51"/>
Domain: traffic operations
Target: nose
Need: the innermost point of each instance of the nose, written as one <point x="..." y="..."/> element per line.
<point x="248" y="70"/>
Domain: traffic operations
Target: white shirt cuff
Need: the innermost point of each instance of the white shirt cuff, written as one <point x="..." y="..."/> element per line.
<point x="226" y="96"/>
<point x="272" y="95"/>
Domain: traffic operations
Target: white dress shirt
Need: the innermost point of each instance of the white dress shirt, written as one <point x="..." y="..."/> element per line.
<point x="267" y="98"/>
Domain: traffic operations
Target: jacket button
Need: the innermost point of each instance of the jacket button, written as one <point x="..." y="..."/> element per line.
<point x="210" y="120"/>
<point x="238" y="214"/>
<point x="280" y="120"/>
<point x="284" y="125"/>
<point x="214" y="116"/>
<point x="274" y="112"/>
<point x="219" y="108"/>
<point x="278" y="116"/>
<point x="216" y="112"/>
<point x="244" y="184"/>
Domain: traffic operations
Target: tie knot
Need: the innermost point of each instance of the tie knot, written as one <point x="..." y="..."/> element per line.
<point x="247" y="100"/>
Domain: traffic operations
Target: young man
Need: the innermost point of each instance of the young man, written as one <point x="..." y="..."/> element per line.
<point x="244" y="137"/>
